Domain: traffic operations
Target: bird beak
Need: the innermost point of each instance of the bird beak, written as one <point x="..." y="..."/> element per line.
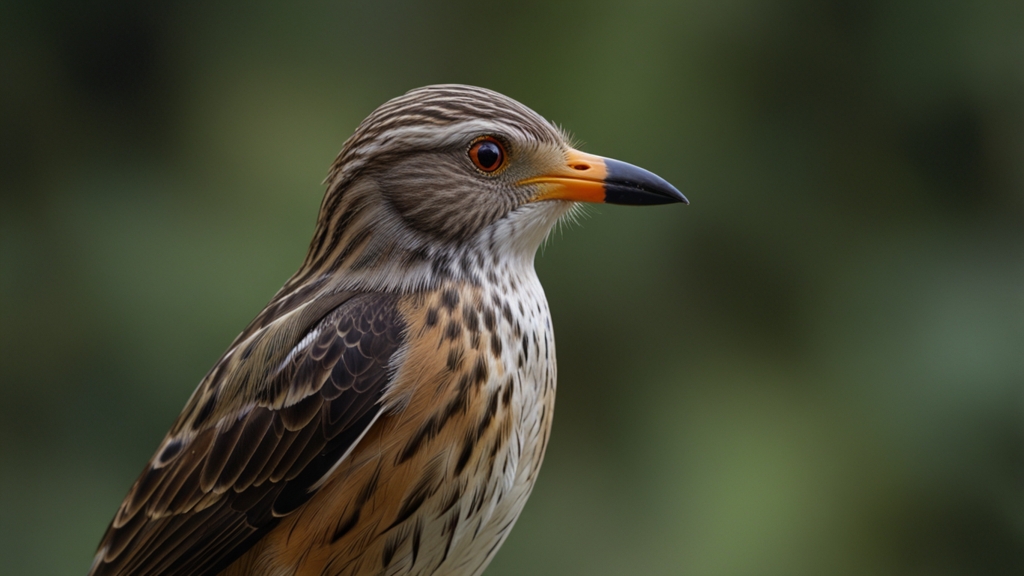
<point x="589" y="178"/>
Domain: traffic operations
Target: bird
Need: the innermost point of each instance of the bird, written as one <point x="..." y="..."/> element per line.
<point x="387" y="412"/>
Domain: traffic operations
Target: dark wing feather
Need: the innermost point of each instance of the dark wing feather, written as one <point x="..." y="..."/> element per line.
<point x="226" y="474"/>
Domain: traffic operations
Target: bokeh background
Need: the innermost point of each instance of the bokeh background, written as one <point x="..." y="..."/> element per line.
<point x="816" y="368"/>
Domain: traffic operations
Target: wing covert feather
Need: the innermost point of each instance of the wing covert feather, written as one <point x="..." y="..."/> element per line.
<point x="226" y="474"/>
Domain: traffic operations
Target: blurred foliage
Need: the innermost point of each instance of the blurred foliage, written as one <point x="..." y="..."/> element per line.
<point x="817" y="368"/>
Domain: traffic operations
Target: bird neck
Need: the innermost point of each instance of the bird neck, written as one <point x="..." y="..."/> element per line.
<point x="394" y="259"/>
<point x="391" y="257"/>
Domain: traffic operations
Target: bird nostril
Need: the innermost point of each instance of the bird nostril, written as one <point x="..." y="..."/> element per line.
<point x="581" y="167"/>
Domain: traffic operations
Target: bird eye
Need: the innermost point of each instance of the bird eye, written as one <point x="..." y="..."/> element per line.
<point x="487" y="154"/>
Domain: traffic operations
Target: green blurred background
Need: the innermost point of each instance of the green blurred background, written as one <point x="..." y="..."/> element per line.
<point x="816" y="368"/>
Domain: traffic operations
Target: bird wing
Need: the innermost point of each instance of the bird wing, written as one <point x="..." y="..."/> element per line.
<point x="255" y="440"/>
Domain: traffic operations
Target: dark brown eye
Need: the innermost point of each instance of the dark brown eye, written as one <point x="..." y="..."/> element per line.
<point x="487" y="154"/>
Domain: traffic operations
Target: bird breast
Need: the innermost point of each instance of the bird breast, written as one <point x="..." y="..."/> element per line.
<point x="437" y="483"/>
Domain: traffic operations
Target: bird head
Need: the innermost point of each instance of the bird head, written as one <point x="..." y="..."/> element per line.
<point x="448" y="173"/>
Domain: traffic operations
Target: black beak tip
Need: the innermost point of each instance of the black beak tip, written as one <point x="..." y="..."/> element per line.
<point x="632" y="185"/>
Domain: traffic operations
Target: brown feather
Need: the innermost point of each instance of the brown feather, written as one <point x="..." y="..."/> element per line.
<point x="189" y="515"/>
